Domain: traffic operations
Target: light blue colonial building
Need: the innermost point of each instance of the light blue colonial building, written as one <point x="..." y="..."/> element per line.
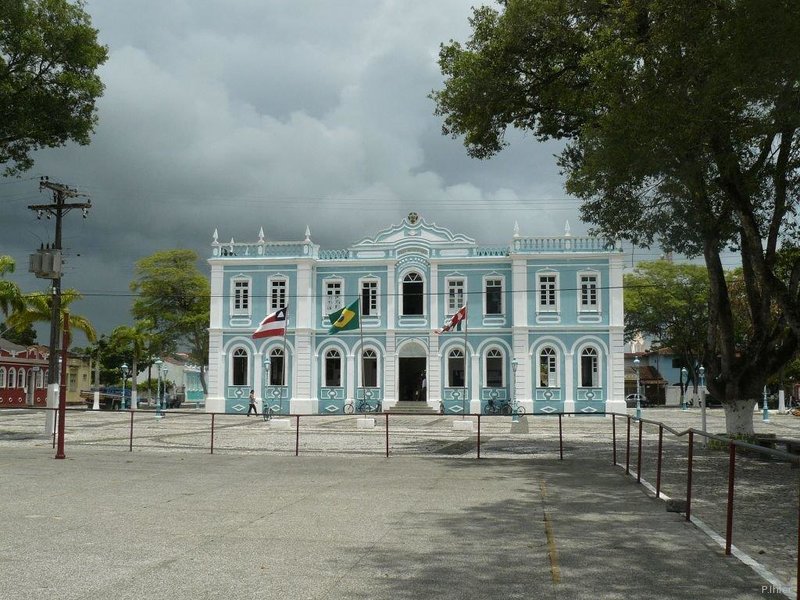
<point x="544" y="323"/>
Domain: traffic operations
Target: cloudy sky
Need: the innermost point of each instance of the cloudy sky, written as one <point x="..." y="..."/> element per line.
<point x="281" y="114"/>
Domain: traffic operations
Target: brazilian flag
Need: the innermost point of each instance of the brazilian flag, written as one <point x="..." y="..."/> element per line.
<point x="344" y="319"/>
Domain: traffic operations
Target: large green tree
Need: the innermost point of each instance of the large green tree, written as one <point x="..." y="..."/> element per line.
<point x="138" y="340"/>
<point x="667" y="302"/>
<point x="175" y="297"/>
<point x="10" y="294"/>
<point x="49" y="55"/>
<point x="681" y="127"/>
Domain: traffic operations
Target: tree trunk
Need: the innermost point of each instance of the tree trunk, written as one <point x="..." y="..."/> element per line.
<point x="203" y="379"/>
<point x="739" y="417"/>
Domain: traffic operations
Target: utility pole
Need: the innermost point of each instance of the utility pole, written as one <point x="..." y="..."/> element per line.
<point x="46" y="264"/>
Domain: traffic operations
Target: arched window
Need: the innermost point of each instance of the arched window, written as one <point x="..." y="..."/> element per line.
<point x="455" y="368"/>
<point x="277" y="367"/>
<point x="239" y="367"/>
<point x="23" y="382"/>
<point x="333" y="369"/>
<point x="548" y="368"/>
<point x="40" y="379"/>
<point x="590" y="368"/>
<point x="413" y="294"/>
<point x="12" y="378"/>
<point x="494" y="368"/>
<point x="370" y="366"/>
<point x="2" y="377"/>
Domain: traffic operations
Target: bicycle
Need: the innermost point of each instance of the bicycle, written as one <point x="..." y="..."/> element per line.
<point x="497" y="408"/>
<point x="362" y="407"/>
<point x="268" y="412"/>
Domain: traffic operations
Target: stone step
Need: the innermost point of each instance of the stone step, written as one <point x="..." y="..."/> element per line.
<point x="412" y="408"/>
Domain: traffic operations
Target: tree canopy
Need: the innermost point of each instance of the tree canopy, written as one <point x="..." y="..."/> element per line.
<point x="49" y="55"/>
<point x="681" y="126"/>
<point x="175" y="297"/>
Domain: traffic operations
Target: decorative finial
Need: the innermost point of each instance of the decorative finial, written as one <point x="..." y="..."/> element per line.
<point x="261" y="235"/>
<point x="516" y="229"/>
<point x="413" y="218"/>
<point x="216" y="236"/>
<point x="308" y="234"/>
<point x="566" y="230"/>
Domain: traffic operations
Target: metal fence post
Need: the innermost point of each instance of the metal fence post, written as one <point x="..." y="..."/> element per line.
<point x="387" y="434"/>
<point x="560" y="440"/>
<point x="658" y="465"/>
<point x="639" y="456"/>
<point x="297" y="437"/>
<point x="689" y="478"/>
<point x="212" y="432"/>
<point x="731" y="483"/>
<point x="614" y="437"/>
<point x="628" y="449"/>
<point x="479" y="436"/>
<point x="130" y="446"/>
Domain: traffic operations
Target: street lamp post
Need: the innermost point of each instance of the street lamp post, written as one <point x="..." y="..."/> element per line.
<point x="157" y="363"/>
<point x="765" y="411"/>
<point x="164" y="370"/>
<point x="514" y="404"/>
<point x="267" y="364"/>
<point x="684" y="373"/>
<point x="124" y="369"/>
<point x="636" y="364"/>
<point x="702" y="372"/>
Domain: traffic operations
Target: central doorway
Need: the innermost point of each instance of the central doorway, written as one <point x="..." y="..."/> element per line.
<point x="412" y="371"/>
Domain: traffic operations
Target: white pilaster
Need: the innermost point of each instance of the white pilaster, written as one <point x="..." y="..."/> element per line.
<point x="569" y="382"/>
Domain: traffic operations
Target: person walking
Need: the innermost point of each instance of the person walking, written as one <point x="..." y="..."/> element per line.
<point x="252" y="406"/>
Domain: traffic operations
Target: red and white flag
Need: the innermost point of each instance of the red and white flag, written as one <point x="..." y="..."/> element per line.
<point x="274" y="324"/>
<point x="459" y="316"/>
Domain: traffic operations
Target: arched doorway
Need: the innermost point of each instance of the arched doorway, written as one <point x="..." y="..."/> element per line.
<point x="412" y="366"/>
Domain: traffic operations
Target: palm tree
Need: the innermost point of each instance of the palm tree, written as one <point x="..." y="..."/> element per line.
<point x="37" y="307"/>
<point x="139" y="339"/>
<point x="10" y="294"/>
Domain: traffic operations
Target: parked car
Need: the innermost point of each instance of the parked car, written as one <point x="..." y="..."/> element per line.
<point x="630" y="400"/>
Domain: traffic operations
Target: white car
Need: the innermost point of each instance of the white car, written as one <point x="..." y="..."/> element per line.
<point x="630" y="400"/>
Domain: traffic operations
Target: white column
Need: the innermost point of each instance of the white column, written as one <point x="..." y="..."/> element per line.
<point x="519" y="331"/>
<point x="434" y="372"/>
<point x="569" y="382"/>
<point x="390" y="366"/>
<point x="475" y="383"/>
<point x="615" y="391"/>
<point x="216" y="357"/>
<point x="350" y="369"/>
<point x="258" y="377"/>
<point x="304" y="400"/>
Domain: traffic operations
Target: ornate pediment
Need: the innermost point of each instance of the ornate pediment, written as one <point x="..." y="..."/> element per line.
<point x="413" y="230"/>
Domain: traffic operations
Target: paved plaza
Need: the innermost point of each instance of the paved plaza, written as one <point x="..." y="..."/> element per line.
<point x="252" y="520"/>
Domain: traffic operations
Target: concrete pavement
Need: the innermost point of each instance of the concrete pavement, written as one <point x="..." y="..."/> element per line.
<point x="158" y="525"/>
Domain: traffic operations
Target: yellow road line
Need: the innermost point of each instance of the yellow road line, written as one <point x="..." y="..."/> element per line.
<point x="552" y="551"/>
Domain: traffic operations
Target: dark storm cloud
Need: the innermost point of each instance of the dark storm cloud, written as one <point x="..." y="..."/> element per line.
<point x="238" y="114"/>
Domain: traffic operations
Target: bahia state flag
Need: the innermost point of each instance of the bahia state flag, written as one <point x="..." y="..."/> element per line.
<point x="344" y="319"/>
<point x="274" y="324"/>
<point x="453" y="321"/>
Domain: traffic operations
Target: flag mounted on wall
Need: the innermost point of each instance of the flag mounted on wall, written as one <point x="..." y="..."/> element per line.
<point x="344" y="319"/>
<point x="274" y="324"/>
<point x="453" y="321"/>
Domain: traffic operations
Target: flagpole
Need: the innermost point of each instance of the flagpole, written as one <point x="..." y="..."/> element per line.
<point x="285" y="375"/>
<point x="466" y="327"/>
<point x="361" y="334"/>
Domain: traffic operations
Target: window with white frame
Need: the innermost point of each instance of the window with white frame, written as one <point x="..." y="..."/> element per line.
<point x="277" y="293"/>
<point x="413" y="294"/>
<point x="455" y="368"/>
<point x="369" y="297"/>
<point x="333" y="295"/>
<point x="23" y="381"/>
<point x="455" y="294"/>
<point x="588" y="289"/>
<point x="547" y="284"/>
<point x="277" y="367"/>
<point x="370" y="366"/>
<point x="494" y="368"/>
<point x="548" y="367"/>
<point x="40" y="379"/>
<point x="240" y="294"/>
<point x="2" y="377"/>
<point x="333" y="369"/>
<point x="239" y="367"/>
<point x="590" y="368"/>
<point x="12" y="378"/>
<point x="493" y="292"/>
